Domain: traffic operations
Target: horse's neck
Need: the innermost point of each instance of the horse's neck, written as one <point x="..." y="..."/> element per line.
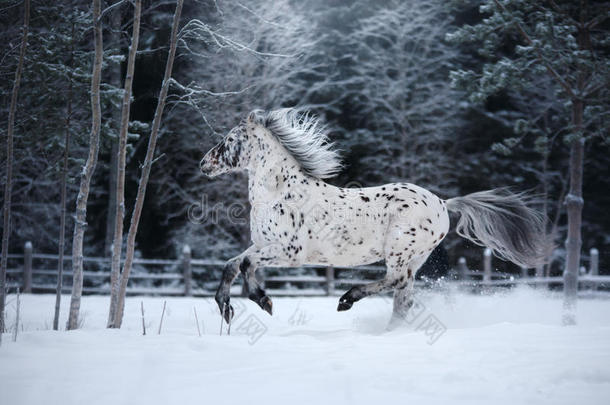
<point x="267" y="179"/>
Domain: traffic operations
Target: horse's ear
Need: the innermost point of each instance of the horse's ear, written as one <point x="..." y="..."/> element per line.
<point x="254" y="117"/>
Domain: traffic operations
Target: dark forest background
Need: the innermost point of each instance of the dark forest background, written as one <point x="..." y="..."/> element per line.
<point x="378" y="72"/>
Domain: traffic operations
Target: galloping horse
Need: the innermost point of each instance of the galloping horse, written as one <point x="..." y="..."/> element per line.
<point x="296" y="218"/>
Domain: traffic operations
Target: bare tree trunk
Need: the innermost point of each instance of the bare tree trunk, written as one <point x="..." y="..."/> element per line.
<point x="574" y="204"/>
<point x="545" y="209"/>
<point x="117" y="244"/>
<point x="574" y="199"/>
<point x="111" y="217"/>
<point x="115" y="78"/>
<point x="555" y="224"/>
<point x="9" y="164"/>
<point x="64" y="176"/>
<point x="137" y="210"/>
<point x="80" y="221"/>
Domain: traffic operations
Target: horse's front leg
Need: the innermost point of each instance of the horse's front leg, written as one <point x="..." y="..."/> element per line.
<point x="223" y="294"/>
<point x="270" y="255"/>
<point x="247" y="263"/>
<point x="253" y="288"/>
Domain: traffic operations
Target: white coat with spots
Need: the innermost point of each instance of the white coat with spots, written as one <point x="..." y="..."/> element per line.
<point x="296" y="218"/>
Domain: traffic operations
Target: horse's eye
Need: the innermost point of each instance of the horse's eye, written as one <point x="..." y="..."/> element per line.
<point x="230" y="139"/>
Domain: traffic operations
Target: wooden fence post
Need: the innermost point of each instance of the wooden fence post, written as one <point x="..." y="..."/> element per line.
<point x="462" y="268"/>
<point x="524" y="272"/>
<point x="187" y="271"/>
<point x="486" y="265"/>
<point x="594" y="262"/>
<point x="330" y="280"/>
<point x="27" y="267"/>
<point x="594" y="266"/>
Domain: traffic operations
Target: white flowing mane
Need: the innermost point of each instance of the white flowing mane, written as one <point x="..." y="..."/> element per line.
<point x="305" y="138"/>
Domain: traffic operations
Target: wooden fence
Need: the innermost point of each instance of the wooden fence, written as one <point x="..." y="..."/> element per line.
<point x="37" y="272"/>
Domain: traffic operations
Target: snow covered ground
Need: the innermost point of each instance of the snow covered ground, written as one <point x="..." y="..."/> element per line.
<point x="503" y="348"/>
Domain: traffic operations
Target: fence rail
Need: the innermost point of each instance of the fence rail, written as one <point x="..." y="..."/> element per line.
<point x="182" y="271"/>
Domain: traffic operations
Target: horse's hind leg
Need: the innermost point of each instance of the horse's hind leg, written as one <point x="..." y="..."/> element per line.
<point x="398" y="277"/>
<point x="403" y="294"/>
<point x="356" y="293"/>
<point x="407" y="246"/>
<point x="396" y="256"/>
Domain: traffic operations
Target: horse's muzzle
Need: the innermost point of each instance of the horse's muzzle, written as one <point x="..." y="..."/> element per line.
<point x="205" y="167"/>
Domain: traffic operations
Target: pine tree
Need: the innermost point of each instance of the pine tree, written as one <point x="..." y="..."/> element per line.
<point x="562" y="39"/>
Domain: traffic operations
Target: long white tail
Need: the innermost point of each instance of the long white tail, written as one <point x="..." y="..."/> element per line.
<point x="503" y="222"/>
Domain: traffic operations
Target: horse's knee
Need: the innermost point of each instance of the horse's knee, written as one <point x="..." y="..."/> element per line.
<point x="228" y="275"/>
<point x="244" y="266"/>
<point x="218" y="296"/>
<point x="229" y="272"/>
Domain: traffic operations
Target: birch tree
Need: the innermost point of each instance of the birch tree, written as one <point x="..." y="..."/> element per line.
<point x="64" y="178"/>
<point x="119" y="215"/>
<point x="9" y="165"/>
<point x="146" y="167"/>
<point x="80" y="221"/>
<point x="115" y="79"/>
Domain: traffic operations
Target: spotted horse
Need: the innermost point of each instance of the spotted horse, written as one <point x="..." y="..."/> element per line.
<point x="296" y="218"/>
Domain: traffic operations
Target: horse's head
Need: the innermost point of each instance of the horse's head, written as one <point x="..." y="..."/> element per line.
<point x="233" y="152"/>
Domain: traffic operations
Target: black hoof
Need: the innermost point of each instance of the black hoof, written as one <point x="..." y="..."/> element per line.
<point x="229" y="312"/>
<point x="266" y="304"/>
<point x="262" y="300"/>
<point x="344" y="305"/>
<point x="226" y="309"/>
